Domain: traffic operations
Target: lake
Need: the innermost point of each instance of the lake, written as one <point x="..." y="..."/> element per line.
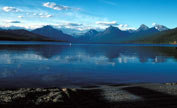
<point x="46" y="64"/>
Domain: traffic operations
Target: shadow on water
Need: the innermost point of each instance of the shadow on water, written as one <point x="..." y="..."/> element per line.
<point x="93" y="98"/>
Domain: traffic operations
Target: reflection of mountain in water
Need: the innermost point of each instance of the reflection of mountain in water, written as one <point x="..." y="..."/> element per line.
<point x="110" y="53"/>
<point x="144" y="54"/>
<point x="54" y="65"/>
<point x="46" y="51"/>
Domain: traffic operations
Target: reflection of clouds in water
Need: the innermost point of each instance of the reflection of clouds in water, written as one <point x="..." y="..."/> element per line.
<point x="102" y="60"/>
<point x="159" y="59"/>
<point x="30" y="57"/>
<point x="43" y="68"/>
<point x="12" y="58"/>
<point x="83" y="59"/>
<point x="127" y="59"/>
<point x="5" y="59"/>
<point x="77" y="57"/>
<point x="60" y="65"/>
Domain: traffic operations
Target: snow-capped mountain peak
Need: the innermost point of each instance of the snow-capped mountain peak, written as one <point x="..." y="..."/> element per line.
<point x="161" y="27"/>
<point x="143" y="28"/>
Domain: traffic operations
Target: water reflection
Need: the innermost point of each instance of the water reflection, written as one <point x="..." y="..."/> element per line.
<point x="60" y="65"/>
<point x="106" y="53"/>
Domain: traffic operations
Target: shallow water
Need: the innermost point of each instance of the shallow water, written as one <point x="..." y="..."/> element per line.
<point x="41" y="64"/>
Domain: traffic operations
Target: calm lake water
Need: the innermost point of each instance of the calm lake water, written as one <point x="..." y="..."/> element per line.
<point x="55" y="64"/>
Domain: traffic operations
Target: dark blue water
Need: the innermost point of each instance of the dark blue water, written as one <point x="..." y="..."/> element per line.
<point x="60" y="64"/>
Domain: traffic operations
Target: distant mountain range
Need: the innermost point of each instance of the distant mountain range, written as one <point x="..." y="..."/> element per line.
<point x="144" y="34"/>
<point x="50" y="32"/>
<point x="115" y="35"/>
<point x="164" y="37"/>
<point x="110" y="35"/>
<point x="21" y="35"/>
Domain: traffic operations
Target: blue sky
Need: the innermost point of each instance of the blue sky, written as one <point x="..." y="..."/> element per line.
<point x="87" y="14"/>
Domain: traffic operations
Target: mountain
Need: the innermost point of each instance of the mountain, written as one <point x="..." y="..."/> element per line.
<point x="110" y="35"/>
<point x="147" y="31"/>
<point x="144" y="31"/>
<point x="91" y="32"/>
<point x="115" y="35"/>
<point x="164" y="37"/>
<point x="161" y="27"/>
<point x="142" y="28"/>
<point x="131" y="30"/>
<point x="157" y="27"/>
<point x="21" y="35"/>
<point x="53" y="33"/>
<point x="88" y="36"/>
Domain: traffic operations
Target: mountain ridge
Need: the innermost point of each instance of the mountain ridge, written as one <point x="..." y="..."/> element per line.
<point x="109" y="35"/>
<point x="115" y="35"/>
<point x="164" y="37"/>
<point x="21" y="35"/>
<point x="53" y="33"/>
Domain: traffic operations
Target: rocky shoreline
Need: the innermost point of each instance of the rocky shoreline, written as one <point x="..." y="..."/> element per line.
<point x="105" y="96"/>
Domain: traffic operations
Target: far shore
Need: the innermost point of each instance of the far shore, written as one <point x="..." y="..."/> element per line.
<point x="147" y="95"/>
<point x="11" y="42"/>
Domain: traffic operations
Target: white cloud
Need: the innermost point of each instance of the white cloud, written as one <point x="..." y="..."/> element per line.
<point x="10" y="9"/>
<point x="73" y="24"/>
<point x="55" y="6"/>
<point x="70" y="25"/>
<point x="27" y="27"/>
<point x="12" y="21"/>
<point x="73" y="27"/>
<point x="11" y="27"/>
<point x="42" y="15"/>
<point x="154" y="24"/>
<point x="46" y="16"/>
<point x="32" y="27"/>
<point x="125" y="27"/>
<point x="20" y="17"/>
<point x="106" y="23"/>
<point x="34" y="14"/>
